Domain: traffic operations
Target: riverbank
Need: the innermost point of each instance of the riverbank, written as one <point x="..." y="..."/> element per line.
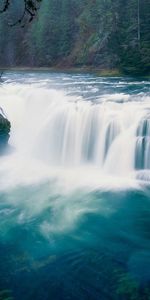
<point x="95" y="71"/>
<point x="102" y="72"/>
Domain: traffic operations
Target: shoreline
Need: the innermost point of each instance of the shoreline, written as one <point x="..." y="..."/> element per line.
<point x="94" y="71"/>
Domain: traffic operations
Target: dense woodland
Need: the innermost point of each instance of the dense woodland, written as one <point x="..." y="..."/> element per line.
<point x="100" y="34"/>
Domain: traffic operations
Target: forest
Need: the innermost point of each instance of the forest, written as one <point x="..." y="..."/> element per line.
<point x="96" y="34"/>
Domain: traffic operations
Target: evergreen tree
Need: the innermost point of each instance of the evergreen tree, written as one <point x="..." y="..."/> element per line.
<point x="98" y="33"/>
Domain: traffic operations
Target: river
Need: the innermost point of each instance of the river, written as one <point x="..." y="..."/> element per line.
<point x="75" y="187"/>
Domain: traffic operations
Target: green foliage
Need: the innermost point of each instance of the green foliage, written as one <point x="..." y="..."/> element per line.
<point x="104" y="34"/>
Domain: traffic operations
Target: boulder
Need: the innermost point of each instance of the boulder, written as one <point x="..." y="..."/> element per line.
<point x="4" y="131"/>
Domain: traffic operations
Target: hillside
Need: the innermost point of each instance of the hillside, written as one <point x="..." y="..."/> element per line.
<point x="100" y="34"/>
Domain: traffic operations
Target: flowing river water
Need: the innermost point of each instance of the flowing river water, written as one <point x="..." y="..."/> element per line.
<point x="75" y="188"/>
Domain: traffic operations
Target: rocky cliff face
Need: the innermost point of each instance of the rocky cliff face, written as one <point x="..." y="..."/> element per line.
<point x="4" y="131"/>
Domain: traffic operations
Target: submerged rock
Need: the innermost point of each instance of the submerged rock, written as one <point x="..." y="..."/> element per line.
<point x="4" y="131"/>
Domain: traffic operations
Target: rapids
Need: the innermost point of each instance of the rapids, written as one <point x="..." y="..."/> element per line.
<point x="74" y="186"/>
<point x="58" y="127"/>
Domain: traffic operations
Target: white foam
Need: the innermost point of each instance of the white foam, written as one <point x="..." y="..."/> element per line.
<point x="57" y="130"/>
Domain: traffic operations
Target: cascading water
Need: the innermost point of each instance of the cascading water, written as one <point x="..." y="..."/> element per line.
<point x="142" y="151"/>
<point x="67" y="131"/>
<point x="74" y="188"/>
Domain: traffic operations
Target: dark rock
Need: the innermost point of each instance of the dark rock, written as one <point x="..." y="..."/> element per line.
<point x="4" y="131"/>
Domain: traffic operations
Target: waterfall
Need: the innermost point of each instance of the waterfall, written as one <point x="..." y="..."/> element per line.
<point x="66" y="131"/>
<point x="142" y="151"/>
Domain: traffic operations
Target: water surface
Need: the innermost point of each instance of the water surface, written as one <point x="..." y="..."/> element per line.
<point x="74" y="188"/>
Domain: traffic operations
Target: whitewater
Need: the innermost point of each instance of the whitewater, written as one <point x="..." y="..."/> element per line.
<point x="57" y="133"/>
<point x="74" y="183"/>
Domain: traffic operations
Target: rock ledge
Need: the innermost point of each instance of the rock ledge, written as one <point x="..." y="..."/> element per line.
<point x="4" y="130"/>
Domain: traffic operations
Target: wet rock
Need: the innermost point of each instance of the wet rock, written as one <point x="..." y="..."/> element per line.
<point x="4" y="131"/>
